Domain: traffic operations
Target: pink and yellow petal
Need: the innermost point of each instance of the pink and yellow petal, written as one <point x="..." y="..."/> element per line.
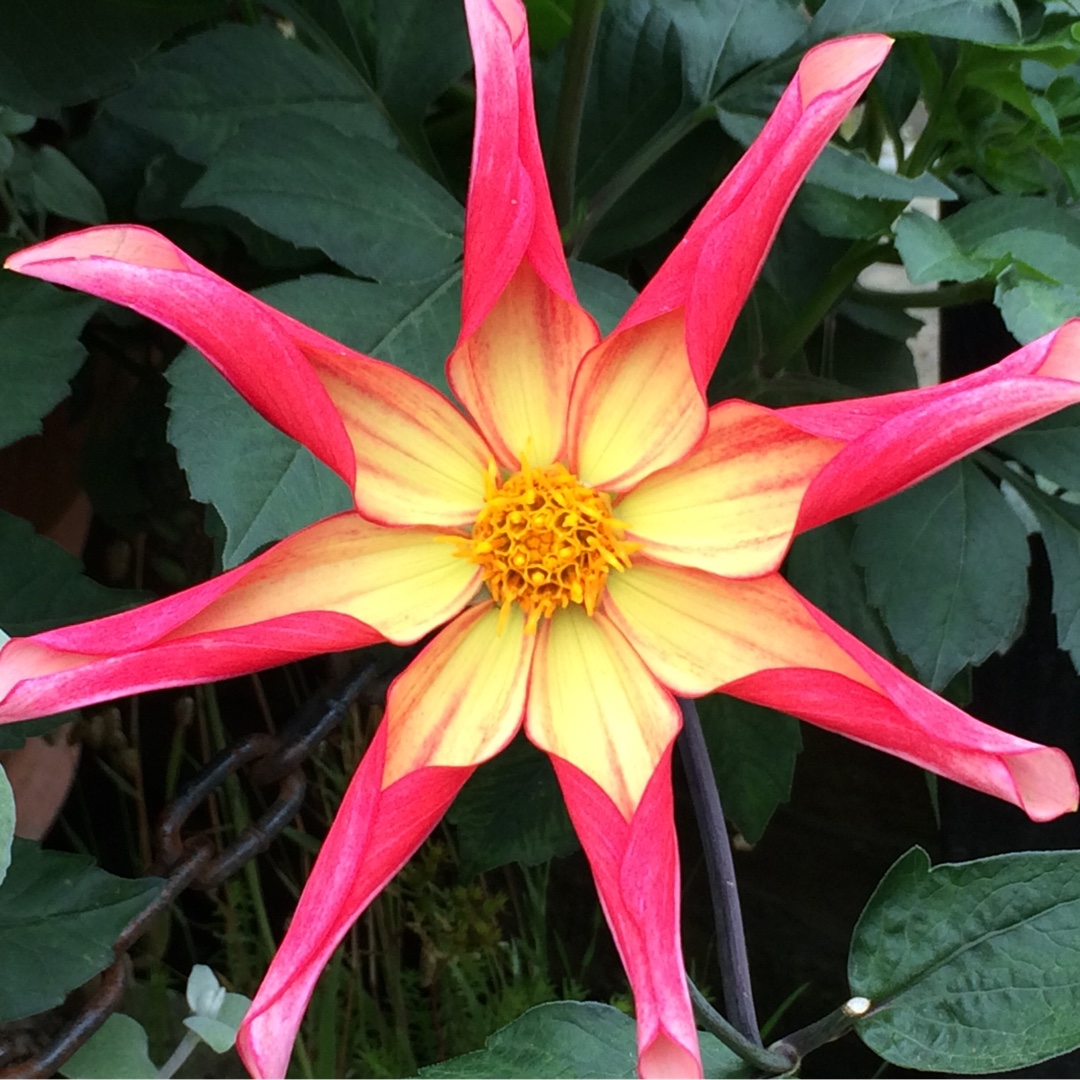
<point x="697" y="631"/>
<point x="731" y="504"/>
<point x="712" y="270"/>
<point x="635" y="864"/>
<point x="248" y="342"/>
<point x="514" y="372"/>
<point x="895" y="440"/>
<point x="593" y="703"/>
<point x="342" y="583"/>
<point x="508" y="213"/>
<point x="760" y="641"/>
<point x="376" y="829"/>
<point x="418" y="460"/>
<point x="901" y="717"/>
<point x="634" y="407"/>
<point x="462" y="699"/>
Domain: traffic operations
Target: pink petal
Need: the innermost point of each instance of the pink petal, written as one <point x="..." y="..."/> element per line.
<point x="711" y="271"/>
<point x="895" y="440"/>
<point x="340" y="584"/>
<point x="636" y="867"/>
<point x="514" y="372"/>
<point x="901" y="717"/>
<point x="375" y="831"/>
<point x="251" y="344"/>
<point x="410" y="456"/>
<point x="508" y="213"/>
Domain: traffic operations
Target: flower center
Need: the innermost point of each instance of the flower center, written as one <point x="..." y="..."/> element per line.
<point x="544" y="541"/>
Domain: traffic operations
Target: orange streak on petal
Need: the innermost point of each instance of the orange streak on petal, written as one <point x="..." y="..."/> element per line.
<point x="731" y="505"/>
<point x="514" y="373"/>
<point x="635" y="406"/>
<point x="594" y="703"/>
<point x="697" y="631"/>
<point x="418" y="460"/>
<point x="461" y="700"/>
<point x="402" y="582"/>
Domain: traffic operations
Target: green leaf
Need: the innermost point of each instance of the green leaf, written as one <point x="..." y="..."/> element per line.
<point x="264" y="485"/>
<point x="422" y="46"/>
<point x="7" y="823"/>
<point x="1030" y="246"/>
<point x="820" y="566"/>
<point x="1050" y="447"/>
<point x="196" y="96"/>
<point x="62" y="52"/>
<point x="366" y="206"/>
<point x="59" y="917"/>
<point x="219" y="1032"/>
<point x="39" y="350"/>
<point x="1059" y="525"/>
<point x="753" y="752"/>
<point x="930" y="253"/>
<point x="604" y="295"/>
<point x="1032" y="306"/>
<point x="655" y="61"/>
<point x="580" y="1039"/>
<point x="946" y="565"/>
<point x="972" y="967"/>
<point x="119" y="1048"/>
<point x="61" y="189"/>
<point x="42" y="586"/>
<point x="851" y="174"/>
<point x="986" y="21"/>
<point x="511" y="810"/>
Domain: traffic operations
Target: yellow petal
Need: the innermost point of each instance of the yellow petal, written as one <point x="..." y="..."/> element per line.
<point x="403" y="582"/>
<point x="697" y="631"/>
<point x="514" y="373"/>
<point x="730" y="506"/>
<point x="635" y="406"/>
<point x="594" y="703"/>
<point x="418" y="460"/>
<point x="461" y="700"/>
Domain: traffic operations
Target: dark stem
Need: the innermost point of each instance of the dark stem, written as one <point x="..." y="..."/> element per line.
<point x="834" y="1026"/>
<point x="579" y="52"/>
<point x="771" y="1062"/>
<point x="730" y="938"/>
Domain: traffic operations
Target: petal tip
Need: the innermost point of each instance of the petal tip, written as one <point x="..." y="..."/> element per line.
<point x="842" y="64"/>
<point x="1045" y="782"/>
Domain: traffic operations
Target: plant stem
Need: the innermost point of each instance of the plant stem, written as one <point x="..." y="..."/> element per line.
<point x="967" y="292"/>
<point x="730" y="938"/>
<point x="667" y="137"/>
<point x="579" y="53"/>
<point x="177" y="1058"/>
<point x="767" y="1061"/>
<point x="860" y="255"/>
<point x="837" y="1024"/>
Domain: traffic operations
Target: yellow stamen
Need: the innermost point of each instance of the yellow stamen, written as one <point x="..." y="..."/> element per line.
<point x="544" y="541"/>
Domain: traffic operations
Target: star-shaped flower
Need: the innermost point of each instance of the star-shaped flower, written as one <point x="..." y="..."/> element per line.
<point x="593" y="541"/>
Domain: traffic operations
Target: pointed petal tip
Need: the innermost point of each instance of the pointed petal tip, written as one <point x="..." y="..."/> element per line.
<point x="1046" y="784"/>
<point x="836" y="65"/>
<point x="1062" y="358"/>
<point x="665" y="1057"/>
<point x="128" y="243"/>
